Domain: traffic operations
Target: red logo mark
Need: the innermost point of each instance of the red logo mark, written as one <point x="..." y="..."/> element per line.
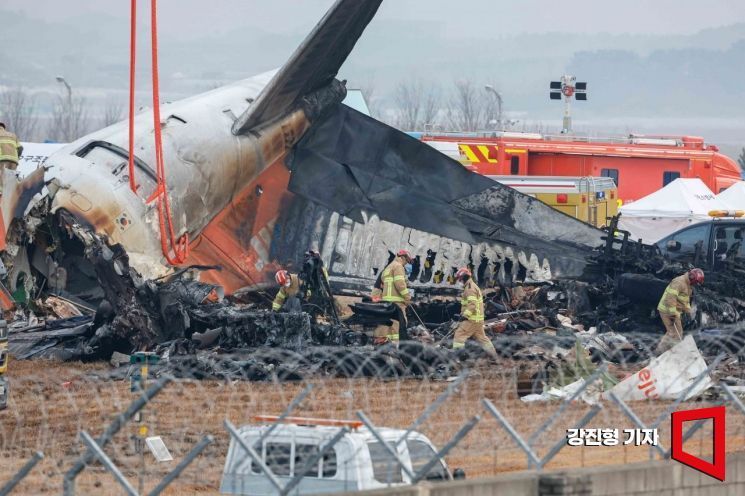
<point x="717" y="415"/>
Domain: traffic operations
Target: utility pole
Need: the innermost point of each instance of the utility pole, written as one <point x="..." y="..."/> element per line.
<point x="490" y="89"/>
<point x="69" y="133"/>
<point x="566" y="88"/>
<point x="566" y="123"/>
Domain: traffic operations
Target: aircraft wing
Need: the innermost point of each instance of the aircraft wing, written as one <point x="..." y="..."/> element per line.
<point x="314" y="64"/>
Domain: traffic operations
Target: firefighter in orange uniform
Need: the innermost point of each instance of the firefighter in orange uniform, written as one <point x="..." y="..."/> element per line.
<point x="288" y="298"/>
<point x="394" y="291"/>
<point x="677" y="299"/>
<point x="471" y="314"/>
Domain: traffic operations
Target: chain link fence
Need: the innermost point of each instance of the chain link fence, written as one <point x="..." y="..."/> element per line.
<point x="80" y="426"/>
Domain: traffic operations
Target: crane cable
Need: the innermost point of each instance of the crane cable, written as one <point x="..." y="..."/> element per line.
<point x="174" y="250"/>
<point x="132" y="60"/>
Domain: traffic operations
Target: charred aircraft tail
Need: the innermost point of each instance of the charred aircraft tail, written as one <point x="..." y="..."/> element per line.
<point x="314" y="64"/>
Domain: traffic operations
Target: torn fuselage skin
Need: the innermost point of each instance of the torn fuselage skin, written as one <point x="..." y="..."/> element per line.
<point x="355" y="252"/>
<point x="206" y="167"/>
<point x="87" y="182"/>
<point x="364" y="189"/>
<point x="18" y="221"/>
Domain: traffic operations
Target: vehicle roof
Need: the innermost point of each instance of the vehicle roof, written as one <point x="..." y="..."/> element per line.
<point x="736" y="220"/>
<point x="322" y="432"/>
<point x="712" y="221"/>
<point x="715" y="220"/>
<point x="620" y="147"/>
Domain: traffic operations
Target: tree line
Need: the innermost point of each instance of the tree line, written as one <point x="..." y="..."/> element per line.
<point x="414" y="105"/>
<point x="68" y="119"/>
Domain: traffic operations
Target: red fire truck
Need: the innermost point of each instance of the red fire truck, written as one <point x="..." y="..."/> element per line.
<point x="639" y="164"/>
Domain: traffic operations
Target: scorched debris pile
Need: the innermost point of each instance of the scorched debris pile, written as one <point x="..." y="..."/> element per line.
<point x="540" y="329"/>
<point x="265" y="169"/>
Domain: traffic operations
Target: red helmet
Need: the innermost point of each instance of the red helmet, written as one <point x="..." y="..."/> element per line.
<point x="404" y="253"/>
<point x="696" y="276"/>
<point x="462" y="273"/>
<point x="282" y="277"/>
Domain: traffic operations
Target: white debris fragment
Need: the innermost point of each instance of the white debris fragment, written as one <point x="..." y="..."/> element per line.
<point x="590" y="395"/>
<point x="667" y="376"/>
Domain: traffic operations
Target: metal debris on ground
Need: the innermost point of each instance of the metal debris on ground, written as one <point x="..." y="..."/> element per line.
<point x="555" y="332"/>
<point x="93" y="273"/>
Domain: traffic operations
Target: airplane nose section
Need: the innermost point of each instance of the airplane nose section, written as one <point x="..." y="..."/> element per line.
<point x="100" y="200"/>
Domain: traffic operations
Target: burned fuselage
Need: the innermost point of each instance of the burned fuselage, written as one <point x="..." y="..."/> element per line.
<point x="207" y="167"/>
<point x="259" y="171"/>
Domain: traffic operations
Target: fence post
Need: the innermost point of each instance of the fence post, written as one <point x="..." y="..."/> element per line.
<point x="68" y="483"/>
<point x="567" y="401"/>
<point x="21" y="474"/>
<point x="313" y="461"/>
<point x="434" y="405"/>
<point x="681" y="398"/>
<point x="511" y="431"/>
<point x="391" y="450"/>
<point x="626" y="409"/>
<point x="562" y="442"/>
<point x="173" y="474"/>
<point x="98" y="452"/>
<point x="293" y="404"/>
<point x="446" y="449"/>
<point x="532" y="456"/>
<point x="733" y="397"/>
<point x="250" y="451"/>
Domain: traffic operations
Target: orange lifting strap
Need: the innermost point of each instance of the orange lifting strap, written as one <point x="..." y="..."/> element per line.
<point x="174" y="250"/>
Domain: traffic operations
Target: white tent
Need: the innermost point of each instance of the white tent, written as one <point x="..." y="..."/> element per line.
<point x="679" y="204"/>
<point x="734" y="196"/>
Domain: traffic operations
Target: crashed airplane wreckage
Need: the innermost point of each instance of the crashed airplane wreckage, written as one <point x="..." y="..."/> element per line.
<point x="257" y="173"/>
<point x="260" y="170"/>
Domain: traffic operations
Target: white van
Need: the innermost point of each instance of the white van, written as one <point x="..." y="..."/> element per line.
<point x="358" y="461"/>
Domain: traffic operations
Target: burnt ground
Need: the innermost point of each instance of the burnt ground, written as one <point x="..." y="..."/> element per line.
<point x="51" y="402"/>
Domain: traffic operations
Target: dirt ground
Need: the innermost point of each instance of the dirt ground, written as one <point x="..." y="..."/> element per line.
<point x="51" y="403"/>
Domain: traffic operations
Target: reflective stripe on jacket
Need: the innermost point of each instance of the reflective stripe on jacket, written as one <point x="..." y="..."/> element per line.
<point x="394" y="282"/>
<point x="283" y="292"/>
<point x="677" y="296"/>
<point x="8" y="146"/>
<point x="472" y="302"/>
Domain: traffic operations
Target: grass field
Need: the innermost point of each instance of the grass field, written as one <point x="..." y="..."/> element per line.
<point x="51" y="402"/>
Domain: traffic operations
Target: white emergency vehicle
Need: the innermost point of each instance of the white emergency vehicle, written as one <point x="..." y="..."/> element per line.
<point x="357" y="461"/>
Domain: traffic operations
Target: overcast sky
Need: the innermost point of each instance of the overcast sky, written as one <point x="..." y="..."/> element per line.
<point x="673" y="47"/>
<point x="196" y="18"/>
